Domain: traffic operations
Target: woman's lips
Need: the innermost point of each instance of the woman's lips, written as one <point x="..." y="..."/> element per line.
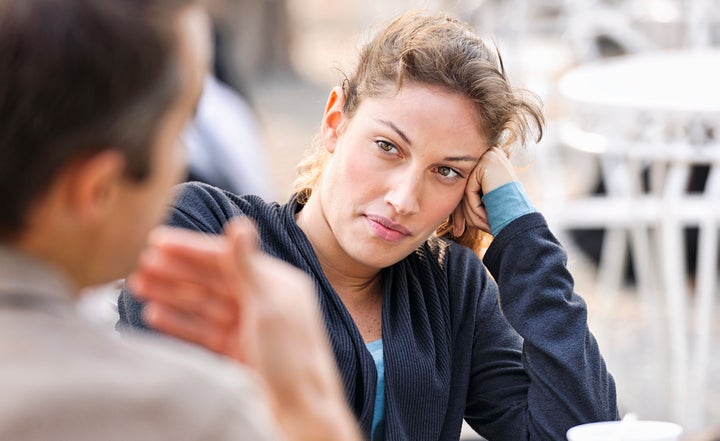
<point x="386" y="229"/>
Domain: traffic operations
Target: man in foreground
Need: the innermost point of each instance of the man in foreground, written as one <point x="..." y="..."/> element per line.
<point x="93" y="97"/>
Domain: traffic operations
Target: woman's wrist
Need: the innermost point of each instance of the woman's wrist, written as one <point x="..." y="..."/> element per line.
<point x="505" y="204"/>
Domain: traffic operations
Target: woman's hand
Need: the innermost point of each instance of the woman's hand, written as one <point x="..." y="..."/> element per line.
<point x="492" y="171"/>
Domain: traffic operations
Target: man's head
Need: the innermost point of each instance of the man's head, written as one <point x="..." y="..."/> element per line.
<point x="93" y="97"/>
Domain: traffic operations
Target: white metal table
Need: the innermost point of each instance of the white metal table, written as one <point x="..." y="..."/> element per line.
<point x="656" y="113"/>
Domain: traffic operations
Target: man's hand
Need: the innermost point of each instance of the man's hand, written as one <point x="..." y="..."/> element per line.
<point x="223" y="293"/>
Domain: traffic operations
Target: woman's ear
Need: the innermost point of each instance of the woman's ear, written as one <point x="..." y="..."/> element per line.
<point x="332" y="118"/>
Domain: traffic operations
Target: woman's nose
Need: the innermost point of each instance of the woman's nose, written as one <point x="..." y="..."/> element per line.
<point x="404" y="192"/>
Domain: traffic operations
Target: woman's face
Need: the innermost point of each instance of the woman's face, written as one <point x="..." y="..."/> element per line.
<point x="397" y="170"/>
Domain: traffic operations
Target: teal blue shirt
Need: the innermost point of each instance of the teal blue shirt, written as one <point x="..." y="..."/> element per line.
<point x="378" y="423"/>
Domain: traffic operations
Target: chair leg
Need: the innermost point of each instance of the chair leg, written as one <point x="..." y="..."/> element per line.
<point x="611" y="267"/>
<point x="647" y="281"/>
<point x="673" y="273"/>
<point x="643" y="263"/>
<point x="706" y="286"/>
<point x="706" y="289"/>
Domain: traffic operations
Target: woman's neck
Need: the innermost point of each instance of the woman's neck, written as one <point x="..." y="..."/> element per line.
<point x="358" y="286"/>
<point x="345" y="274"/>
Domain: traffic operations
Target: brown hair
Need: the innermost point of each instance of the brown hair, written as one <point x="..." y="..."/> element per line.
<point x="77" y="77"/>
<point x="436" y="49"/>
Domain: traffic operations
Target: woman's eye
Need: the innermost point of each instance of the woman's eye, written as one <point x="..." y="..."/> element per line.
<point x="385" y="146"/>
<point x="448" y="172"/>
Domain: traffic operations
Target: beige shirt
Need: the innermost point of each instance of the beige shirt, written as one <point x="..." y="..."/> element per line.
<point x="62" y="378"/>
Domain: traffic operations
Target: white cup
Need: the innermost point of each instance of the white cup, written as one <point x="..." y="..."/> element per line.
<point x="628" y="430"/>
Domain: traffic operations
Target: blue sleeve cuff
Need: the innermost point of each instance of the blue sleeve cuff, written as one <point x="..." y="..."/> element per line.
<point x="505" y="204"/>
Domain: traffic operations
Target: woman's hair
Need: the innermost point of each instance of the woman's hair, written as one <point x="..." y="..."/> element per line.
<point x="439" y="50"/>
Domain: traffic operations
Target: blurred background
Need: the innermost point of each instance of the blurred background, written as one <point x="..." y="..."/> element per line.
<point x="649" y="288"/>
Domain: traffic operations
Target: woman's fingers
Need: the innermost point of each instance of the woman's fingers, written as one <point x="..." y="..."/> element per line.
<point x="458" y="220"/>
<point x="475" y="215"/>
<point x="492" y="171"/>
<point x="471" y="209"/>
<point x="495" y="170"/>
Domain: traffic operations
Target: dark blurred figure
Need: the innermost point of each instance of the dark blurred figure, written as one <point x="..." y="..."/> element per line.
<point x="225" y="143"/>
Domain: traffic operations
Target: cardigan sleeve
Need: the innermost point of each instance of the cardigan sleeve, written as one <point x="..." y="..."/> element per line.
<point x="553" y="377"/>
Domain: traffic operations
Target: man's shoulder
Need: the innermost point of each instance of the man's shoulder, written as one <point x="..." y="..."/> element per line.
<point x="136" y="385"/>
<point x="176" y="361"/>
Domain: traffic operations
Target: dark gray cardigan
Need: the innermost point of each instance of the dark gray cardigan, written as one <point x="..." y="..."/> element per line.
<point x="518" y="364"/>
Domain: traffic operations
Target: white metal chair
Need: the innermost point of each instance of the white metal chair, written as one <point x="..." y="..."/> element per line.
<point x="665" y="136"/>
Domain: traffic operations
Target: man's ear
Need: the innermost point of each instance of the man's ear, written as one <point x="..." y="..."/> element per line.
<point x="332" y="118"/>
<point x="93" y="182"/>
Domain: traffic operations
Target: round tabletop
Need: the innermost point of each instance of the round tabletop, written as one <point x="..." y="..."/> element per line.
<point x="682" y="80"/>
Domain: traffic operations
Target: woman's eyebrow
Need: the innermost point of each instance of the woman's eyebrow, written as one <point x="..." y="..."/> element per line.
<point x="396" y="129"/>
<point x="462" y="158"/>
<point x="401" y="134"/>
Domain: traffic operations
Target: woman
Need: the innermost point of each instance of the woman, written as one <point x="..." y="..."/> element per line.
<point x="412" y="149"/>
